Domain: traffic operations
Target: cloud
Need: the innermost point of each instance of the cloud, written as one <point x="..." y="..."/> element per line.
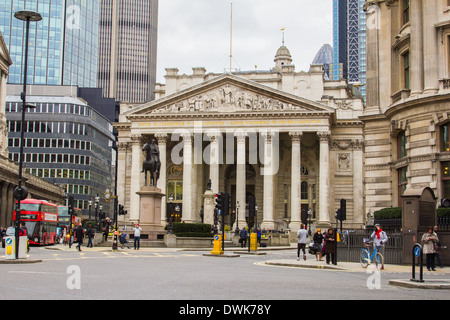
<point x="196" y="33"/>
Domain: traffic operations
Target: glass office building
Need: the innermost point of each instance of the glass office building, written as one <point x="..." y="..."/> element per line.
<point x="349" y="42"/>
<point x="63" y="46"/>
<point x="67" y="142"/>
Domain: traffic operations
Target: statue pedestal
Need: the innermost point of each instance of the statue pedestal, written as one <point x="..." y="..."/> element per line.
<point x="150" y="212"/>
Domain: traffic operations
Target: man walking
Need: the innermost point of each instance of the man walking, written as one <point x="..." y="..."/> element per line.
<point x="302" y="236"/>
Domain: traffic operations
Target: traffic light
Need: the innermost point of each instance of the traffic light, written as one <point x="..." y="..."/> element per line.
<point x="219" y="203"/>
<point x="339" y="214"/>
<point x="70" y="205"/>
<point x="226" y="204"/>
<point x="122" y="211"/>
<point x="343" y="210"/>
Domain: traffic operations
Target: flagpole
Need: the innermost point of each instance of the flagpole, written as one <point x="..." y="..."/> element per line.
<point x="231" y="40"/>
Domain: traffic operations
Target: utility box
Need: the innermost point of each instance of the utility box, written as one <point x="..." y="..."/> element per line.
<point x="418" y="213"/>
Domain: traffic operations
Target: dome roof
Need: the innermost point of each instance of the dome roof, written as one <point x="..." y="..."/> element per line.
<point x="324" y="56"/>
<point x="283" y="53"/>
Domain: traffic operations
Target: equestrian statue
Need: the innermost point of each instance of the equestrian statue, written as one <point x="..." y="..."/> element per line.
<point x="151" y="163"/>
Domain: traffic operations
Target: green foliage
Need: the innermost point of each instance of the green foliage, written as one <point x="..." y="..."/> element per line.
<point x="388" y="213"/>
<point x="443" y="212"/>
<point x="192" y="230"/>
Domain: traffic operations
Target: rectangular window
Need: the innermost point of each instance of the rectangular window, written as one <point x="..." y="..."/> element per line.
<point x="445" y="138"/>
<point x="406" y="71"/>
<point x="405" y="11"/>
<point x="402" y="182"/>
<point x="445" y="180"/>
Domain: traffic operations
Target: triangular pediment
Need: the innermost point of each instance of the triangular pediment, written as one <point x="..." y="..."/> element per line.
<point x="228" y="94"/>
<point x="4" y="54"/>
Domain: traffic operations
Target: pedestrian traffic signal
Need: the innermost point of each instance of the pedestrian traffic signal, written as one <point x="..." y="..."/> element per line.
<point x="122" y="211"/>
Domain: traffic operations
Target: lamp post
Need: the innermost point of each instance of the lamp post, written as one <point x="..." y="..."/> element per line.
<point x="237" y="217"/>
<point x="96" y="201"/>
<point x="90" y="208"/>
<point x="21" y="193"/>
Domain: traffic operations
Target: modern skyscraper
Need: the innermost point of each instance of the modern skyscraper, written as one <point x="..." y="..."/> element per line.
<point x="128" y="47"/>
<point x="64" y="49"/>
<point x="349" y="41"/>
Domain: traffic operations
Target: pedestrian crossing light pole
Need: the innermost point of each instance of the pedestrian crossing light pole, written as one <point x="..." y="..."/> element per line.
<point x="21" y="193"/>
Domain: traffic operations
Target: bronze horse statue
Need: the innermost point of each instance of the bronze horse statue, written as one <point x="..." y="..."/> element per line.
<point x="151" y="163"/>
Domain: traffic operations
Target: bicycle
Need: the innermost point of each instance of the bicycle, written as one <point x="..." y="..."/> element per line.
<point x="367" y="258"/>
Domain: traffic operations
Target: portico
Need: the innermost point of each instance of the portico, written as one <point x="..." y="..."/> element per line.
<point x="249" y="140"/>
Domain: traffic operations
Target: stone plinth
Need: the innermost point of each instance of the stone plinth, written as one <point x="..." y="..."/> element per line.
<point x="150" y="212"/>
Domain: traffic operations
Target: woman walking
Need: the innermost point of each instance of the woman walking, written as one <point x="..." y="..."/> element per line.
<point x="318" y="240"/>
<point x="429" y="239"/>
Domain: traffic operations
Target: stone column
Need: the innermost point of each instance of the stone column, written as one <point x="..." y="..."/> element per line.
<point x="162" y="182"/>
<point x="358" y="182"/>
<point x="416" y="47"/>
<point x="4" y="204"/>
<point x="430" y="47"/>
<point x="268" y="172"/>
<point x="122" y="148"/>
<point x="296" y="180"/>
<point x="241" y="176"/>
<point x="3" y="124"/>
<point x="187" y="213"/>
<point x="136" y="168"/>
<point x="324" y="179"/>
<point x="214" y="160"/>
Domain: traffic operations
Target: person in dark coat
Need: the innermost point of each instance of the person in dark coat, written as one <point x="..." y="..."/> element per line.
<point x="79" y="234"/>
<point x="330" y="245"/>
<point x="90" y="233"/>
<point x="243" y="237"/>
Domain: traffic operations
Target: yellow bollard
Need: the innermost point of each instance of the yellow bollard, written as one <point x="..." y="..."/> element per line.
<point x="253" y="242"/>
<point x="217" y="245"/>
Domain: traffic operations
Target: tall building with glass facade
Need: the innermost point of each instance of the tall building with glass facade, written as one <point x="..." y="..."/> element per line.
<point x="349" y="41"/>
<point x="128" y="48"/>
<point x="63" y="47"/>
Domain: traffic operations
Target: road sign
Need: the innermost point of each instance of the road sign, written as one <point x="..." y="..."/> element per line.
<point x="417" y="251"/>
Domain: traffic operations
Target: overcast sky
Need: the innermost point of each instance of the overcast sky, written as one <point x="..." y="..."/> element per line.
<point x="196" y="33"/>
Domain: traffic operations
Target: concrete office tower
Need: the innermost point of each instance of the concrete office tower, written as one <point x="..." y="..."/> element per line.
<point x="128" y="45"/>
<point x="63" y="47"/>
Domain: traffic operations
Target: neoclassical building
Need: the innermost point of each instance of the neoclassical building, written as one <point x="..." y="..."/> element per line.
<point x="291" y="140"/>
<point x="406" y="121"/>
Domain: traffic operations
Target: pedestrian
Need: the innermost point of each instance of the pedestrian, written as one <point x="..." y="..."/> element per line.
<point x="259" y="236"/>
<point x="380" y="239"/>
<point x="318" y="241"/>
<point x="430" y="239"/>
<point x="137" y="236"/>
<point x="91" y="234"/>
<point x="330" y="245"/>
<point x="243" y="237"/>
<point x="438" y="246"/>
<point x="79" y="234"/>
<point x="302" y="236"/>
<point x="106" y="224"/>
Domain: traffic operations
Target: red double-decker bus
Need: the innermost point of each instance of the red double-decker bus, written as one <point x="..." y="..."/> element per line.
<point x="41" y="221"/>
<point x="64" y="216"/>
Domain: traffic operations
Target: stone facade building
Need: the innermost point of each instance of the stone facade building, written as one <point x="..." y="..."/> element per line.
<point x="406" y="121"/>
<point x="291" y="140"/>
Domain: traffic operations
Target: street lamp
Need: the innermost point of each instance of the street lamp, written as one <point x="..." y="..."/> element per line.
<point x="237" y="217"/>
<point x="96" y="201"/>
<point x="21" y="193"/>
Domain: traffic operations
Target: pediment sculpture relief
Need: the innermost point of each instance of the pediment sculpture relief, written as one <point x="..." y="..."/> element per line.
<point x="228" y="99"/>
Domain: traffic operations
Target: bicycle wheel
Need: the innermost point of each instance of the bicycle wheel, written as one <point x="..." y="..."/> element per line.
<point x="379" y="260"/>
<point x="364" y="259"/>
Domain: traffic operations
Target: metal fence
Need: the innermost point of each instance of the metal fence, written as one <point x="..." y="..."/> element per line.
<point x="349" y="249"/>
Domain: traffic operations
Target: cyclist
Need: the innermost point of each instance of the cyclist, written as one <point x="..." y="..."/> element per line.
<point x="379" y="240"/>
